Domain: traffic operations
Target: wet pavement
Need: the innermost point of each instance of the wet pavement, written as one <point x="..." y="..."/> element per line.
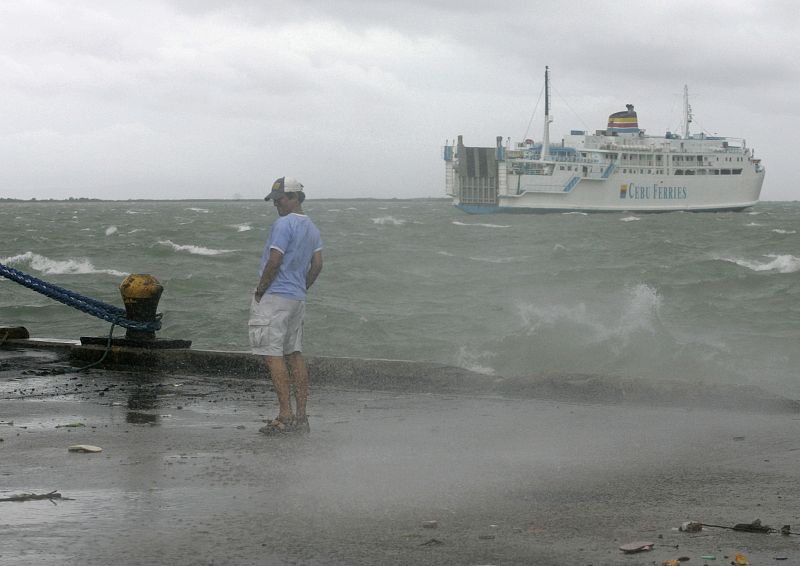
<point x="186" y="478"/>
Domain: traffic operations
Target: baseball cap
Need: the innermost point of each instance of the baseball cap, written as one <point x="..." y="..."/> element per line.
<point x="284" y="185"/>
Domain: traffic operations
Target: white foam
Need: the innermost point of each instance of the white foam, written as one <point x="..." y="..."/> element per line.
<point x="754" y="224"/>
<point x="43" y="264"/>
<point x="384" y="220"/>
<point x="629" y="218"/>
<point x="639" y="313"/>
<point x="457" y="223"/>
<point x="577" y="213"/>
<point x="444" y="253"/>
<point x="469" y="360"/>
<point x="111" y="230"/>
<point x="779" y="263"/>
<point x="242" y="227"/>
<point x="780" y="231"/>
<point x="203" y="210"/>
<point x="196" y="250"/>
<point x="495" y="259"/>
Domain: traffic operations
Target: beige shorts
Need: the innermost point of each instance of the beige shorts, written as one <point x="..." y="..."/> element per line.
<point x="276" y="325"/>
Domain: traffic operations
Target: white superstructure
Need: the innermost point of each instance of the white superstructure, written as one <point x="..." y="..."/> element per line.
<point x="619" y="168"/>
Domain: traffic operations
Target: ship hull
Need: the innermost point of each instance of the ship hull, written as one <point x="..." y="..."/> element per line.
<point x="629" y="193"/>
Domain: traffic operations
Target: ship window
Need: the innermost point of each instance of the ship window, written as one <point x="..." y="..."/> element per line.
<point x="624" y="170"/>
<point x="649" y="171"/>
<point x="737" y="171"/>
<point x="724" y="171"/>
<point x="561" y="167"/>
<point x="689" y="172"/>
<point x="701" y="171"/>
<point x="679" y="171"/>
<point x="715" y="171"/>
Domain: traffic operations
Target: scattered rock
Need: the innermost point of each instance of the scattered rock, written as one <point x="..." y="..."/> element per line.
<point x="430" y="524"/>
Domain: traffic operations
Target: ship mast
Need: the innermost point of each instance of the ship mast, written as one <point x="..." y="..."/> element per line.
<point x="687" y="112"/>
<point x="547" y="119"/>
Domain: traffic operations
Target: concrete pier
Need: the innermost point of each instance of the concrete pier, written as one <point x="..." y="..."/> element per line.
<point x="547" y="470"/>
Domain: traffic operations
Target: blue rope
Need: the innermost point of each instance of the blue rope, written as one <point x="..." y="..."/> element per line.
<point x="88" y="305"/>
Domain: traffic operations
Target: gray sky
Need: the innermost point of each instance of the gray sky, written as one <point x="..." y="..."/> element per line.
<point x="209" y="99"/>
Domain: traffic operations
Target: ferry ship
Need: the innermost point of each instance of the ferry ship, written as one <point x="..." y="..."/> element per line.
<point x="616" y="169"/>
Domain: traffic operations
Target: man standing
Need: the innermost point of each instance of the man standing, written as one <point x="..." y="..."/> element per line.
<point x="291" y="263"/>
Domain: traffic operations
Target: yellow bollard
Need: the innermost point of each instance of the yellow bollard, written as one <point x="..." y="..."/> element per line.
<point x="141" y="294"/>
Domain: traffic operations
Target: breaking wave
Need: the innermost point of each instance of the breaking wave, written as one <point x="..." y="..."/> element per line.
<point x="49" y="266"/>
<point x="779" y="263"/>
<point x="470" y="360"/>
<point x="629" y="218"/>
<point x="111" y="230"/>
<point x="780" y="231"/>
<point x="196" y="250"/>
<point x="457" y="223"/>
<point x="390" y="220"/>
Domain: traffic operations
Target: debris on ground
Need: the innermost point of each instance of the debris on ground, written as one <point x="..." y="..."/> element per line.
<point x="638" y="546"/>
<point x="432" y="542"/>
<point x="754" y="527"/>
<point x="70" y="425"/>
<point x="35" y="497"/>
<point x="430" y="524"/>
<point x="691" y="527"/>
<point x="86" y="448"/>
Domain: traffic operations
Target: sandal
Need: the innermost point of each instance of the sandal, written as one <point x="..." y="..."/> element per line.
<point x="277" y="426"/>
<point x="301" y="425"/>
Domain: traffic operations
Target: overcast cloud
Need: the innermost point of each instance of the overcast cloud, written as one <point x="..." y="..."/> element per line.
<point x="209" y="99"/>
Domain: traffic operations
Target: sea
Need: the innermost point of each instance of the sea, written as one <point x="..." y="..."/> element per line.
<point x="699" y="297"/>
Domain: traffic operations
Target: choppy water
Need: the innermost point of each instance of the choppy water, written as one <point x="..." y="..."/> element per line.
<point x="713" y="296"/>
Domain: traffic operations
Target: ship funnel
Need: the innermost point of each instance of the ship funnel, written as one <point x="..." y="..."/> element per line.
<point x="624" y="122"/>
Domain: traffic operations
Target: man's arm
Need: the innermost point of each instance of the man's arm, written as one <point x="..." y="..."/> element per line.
<point x="269" y="274"/>
<point x="316" y="267"/>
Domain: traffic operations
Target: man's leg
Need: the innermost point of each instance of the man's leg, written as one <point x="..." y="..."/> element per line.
<point x="280" y="380"/>
<point x="300" y="378"/>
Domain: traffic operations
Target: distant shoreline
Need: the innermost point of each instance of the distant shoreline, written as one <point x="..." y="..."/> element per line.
<point x="85" y="200"/>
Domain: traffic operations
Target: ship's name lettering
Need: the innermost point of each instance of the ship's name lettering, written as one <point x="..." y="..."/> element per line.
<point x="656" y="192"/>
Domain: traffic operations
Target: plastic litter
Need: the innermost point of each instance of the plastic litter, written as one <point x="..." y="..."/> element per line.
<point x="691" y="527"/>
<point x="741" y="560"/>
